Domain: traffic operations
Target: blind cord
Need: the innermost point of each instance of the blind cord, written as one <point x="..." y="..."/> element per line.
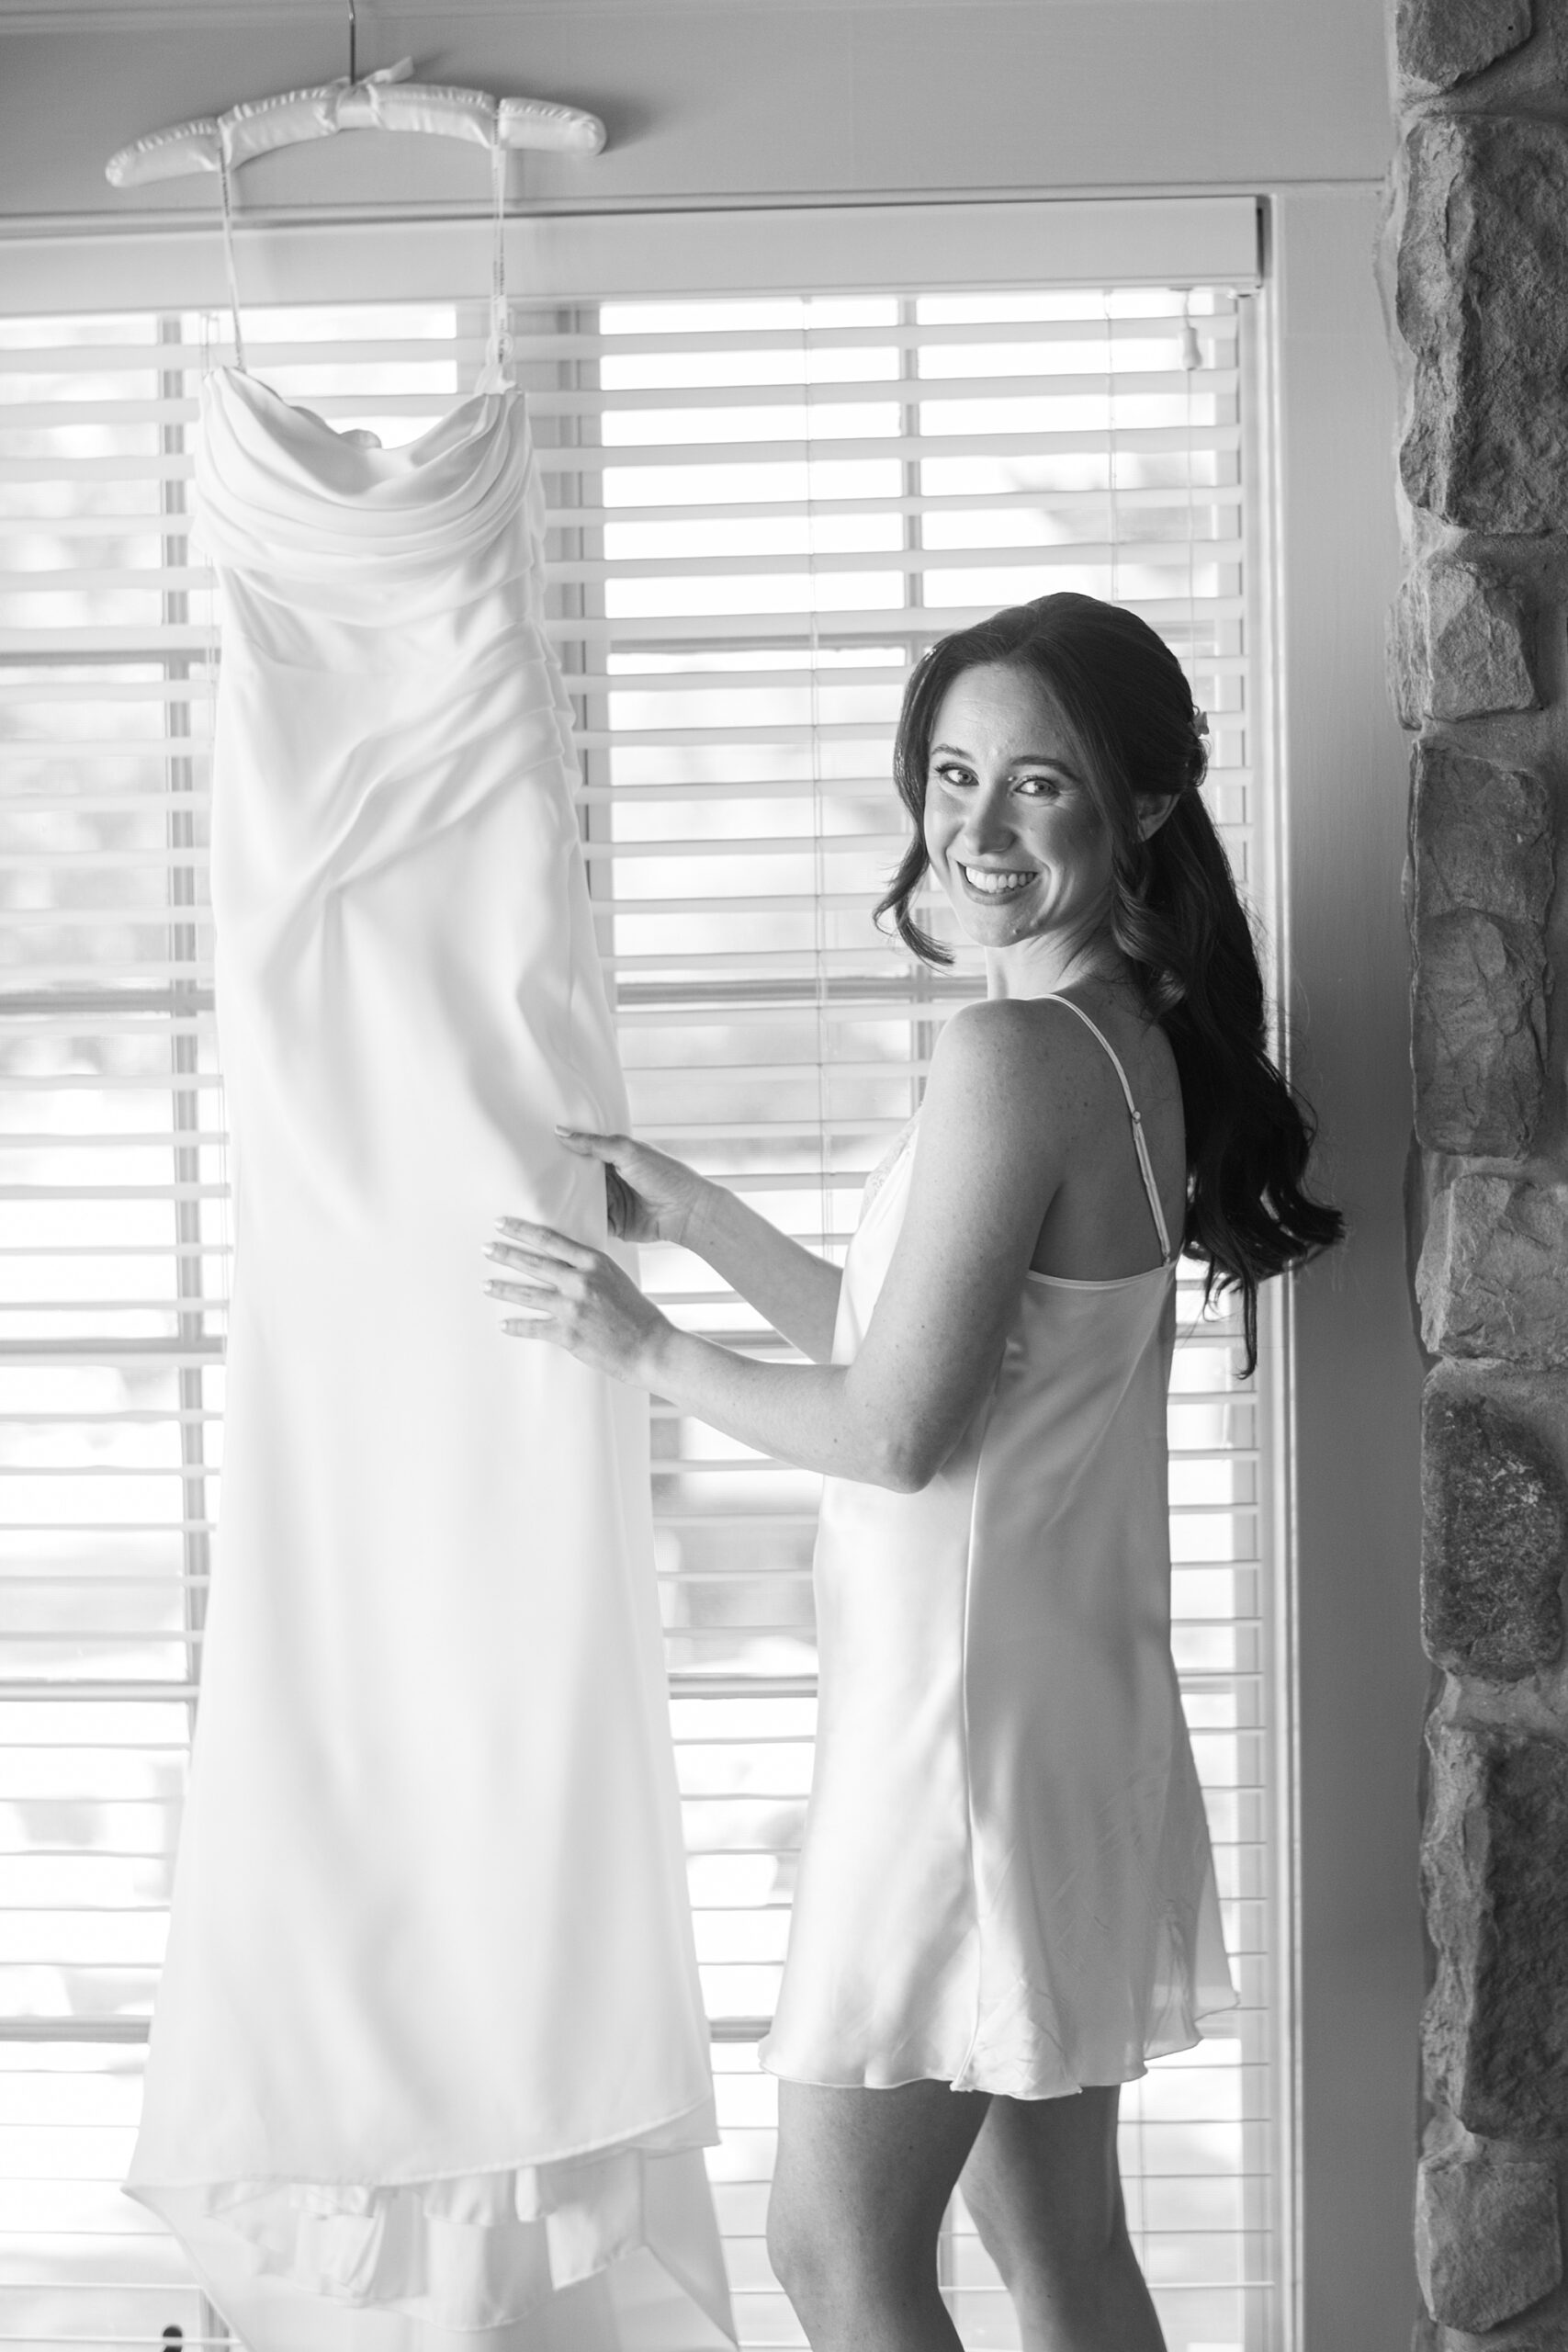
<point x="1111" y="443"/>
<point x="826" y="1224"/>
<point x="1191" y="360"/>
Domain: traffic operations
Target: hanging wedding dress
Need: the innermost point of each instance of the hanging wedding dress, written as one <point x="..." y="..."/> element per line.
<point x="430" y="2067"/>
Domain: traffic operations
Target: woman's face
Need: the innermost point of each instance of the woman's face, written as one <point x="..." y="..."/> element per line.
<point x="1012" y="828"/>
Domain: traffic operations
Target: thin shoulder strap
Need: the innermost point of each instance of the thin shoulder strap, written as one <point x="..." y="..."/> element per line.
<point x="1139" y="1146"/>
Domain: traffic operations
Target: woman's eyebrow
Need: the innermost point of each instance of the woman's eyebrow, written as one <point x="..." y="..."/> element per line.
<point x="1019" y="760"/>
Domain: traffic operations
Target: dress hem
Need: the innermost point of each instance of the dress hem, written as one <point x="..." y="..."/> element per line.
<point x="632" y="2137"/>
<point x="475" y="2267"/>
<point x="1067" y="2089"/>
<point x="222" y="2295"/>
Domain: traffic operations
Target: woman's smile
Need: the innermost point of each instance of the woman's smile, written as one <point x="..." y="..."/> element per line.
<point x="987" y="882"/>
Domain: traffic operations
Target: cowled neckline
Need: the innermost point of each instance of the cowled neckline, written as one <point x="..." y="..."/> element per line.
<point x="265" y="428"/>
<point x="280" y="489"/>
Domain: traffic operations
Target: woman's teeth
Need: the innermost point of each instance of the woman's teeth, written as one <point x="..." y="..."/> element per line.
<point x="994" y="885"/>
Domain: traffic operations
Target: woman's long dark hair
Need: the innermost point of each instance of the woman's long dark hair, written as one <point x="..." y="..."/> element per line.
<point x="1175" y="916"/>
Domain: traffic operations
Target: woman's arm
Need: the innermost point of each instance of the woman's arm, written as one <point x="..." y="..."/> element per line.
<point x="1001" y="1114"/>
<point x="788" y="1285"/>
<point x="655" y="1198"/>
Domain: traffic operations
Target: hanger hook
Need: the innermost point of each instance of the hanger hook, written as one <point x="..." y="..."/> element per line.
<point x="353" y="59"/>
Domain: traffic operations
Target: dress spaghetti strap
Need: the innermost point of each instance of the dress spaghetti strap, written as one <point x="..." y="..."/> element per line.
<point x="1140" y="1147"/>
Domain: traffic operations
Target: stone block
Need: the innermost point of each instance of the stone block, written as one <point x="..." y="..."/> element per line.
<point x="1439" y="42"/>
<point x="1544" y="2331"/>
<point x="1483" y="837"/>
<point x="1483" y="872"/>
<point x="1478" y="1035"/>
<point x="1482" y="259"/>
<point x="1496" y="2026"/>
<point x="1493" y="1279"/>
<point x="1488" y="2243"/>
<point x="1494" y="1519"/>
<point x="1457" y="645"/>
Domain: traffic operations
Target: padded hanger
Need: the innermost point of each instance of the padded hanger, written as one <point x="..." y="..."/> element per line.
<point x="386" y="100"/>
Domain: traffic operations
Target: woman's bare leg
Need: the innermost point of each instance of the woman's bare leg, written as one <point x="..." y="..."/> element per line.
<point x="1043" y="2189"/>
<point x="861" y="2185"/>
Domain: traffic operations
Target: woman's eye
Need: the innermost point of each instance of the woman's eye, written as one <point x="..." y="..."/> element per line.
<point x="1040" y="787"/>
<point x="950" y="773"/>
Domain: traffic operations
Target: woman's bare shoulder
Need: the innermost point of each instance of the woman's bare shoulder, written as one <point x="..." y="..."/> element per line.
<point x="1038" y="1044"/>
<point x="1013" y="1080"/>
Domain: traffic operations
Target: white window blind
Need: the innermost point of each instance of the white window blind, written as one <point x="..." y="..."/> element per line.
<point x="761" y="511"/>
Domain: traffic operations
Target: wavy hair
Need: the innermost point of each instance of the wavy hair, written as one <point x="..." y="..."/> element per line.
<point x="1174" y="915"/>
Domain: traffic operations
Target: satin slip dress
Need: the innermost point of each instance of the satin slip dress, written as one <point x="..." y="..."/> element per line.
<point x="429" y="2070"/>
<point x="1006" y="1881"/>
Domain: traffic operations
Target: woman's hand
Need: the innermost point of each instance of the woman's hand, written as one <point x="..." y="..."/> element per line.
<point x="651" y="1196"/>
<point x="575" y="1297"/>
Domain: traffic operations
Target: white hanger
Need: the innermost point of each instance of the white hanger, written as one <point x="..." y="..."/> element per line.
<point x="386" y="100"/>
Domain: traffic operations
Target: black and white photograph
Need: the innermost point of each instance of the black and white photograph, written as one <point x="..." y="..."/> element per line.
<point x="784" y="1176"/>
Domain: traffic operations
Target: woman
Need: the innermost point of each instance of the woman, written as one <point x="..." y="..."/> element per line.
<point x="1007" y="1902"/>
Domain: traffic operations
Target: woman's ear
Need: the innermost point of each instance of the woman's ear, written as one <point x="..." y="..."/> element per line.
<point x="1154" y="808"/>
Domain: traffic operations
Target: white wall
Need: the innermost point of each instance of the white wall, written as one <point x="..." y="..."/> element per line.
<point x="725" y="101"/>
<point x="1361" y="1678"/>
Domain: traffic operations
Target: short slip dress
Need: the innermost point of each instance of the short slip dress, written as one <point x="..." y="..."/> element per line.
<point x="1006" y="1881"/>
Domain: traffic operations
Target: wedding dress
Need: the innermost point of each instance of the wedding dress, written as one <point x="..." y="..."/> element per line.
<point x="430" y="2067"/>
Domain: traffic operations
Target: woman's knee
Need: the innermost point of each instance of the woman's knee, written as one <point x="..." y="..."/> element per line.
<point x="1041" y="2185"/>
<point x="816" y="2239"/>
<point x="834" y="2260"/>
<point x="798" y="2248"/>
<point x="995" y="2225"/>
<point x="864" y="2171"/>
<point x="1022" y="2223"/>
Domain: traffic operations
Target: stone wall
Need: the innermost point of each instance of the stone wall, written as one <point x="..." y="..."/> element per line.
<point x="1479" y="668"/>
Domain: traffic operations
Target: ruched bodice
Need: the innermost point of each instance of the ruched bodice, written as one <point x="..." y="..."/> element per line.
<point x="1006" y="1882"/>
<point x="430" y="2059"/>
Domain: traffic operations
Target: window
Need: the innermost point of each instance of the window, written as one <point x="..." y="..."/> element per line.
<point x="762" y="509"/>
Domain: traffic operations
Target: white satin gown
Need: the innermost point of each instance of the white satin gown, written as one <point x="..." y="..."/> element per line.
<point x="1006" y="1881"/>
<point x="429" y="2069"/>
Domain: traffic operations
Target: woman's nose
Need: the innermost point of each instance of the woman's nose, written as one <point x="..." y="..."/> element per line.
<point x="987" y="823"/>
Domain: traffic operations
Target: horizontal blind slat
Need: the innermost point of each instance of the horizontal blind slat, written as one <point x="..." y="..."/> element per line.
<point x="725" y="399"/>
<point x="84" y="361"/>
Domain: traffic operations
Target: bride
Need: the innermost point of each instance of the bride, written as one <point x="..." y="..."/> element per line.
<point x="1007" y="1902"/>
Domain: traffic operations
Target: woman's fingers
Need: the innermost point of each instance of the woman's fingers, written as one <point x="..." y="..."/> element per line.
<point x="578" y="1298"/>
<point x="520" y="1294"/>
<point x="523" y="1242"/>
<point x="621" y="1205"/>
<point x="592" y="1146"/>
<point x="536" y="1298"/>
<point x="555" y="1270"/>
